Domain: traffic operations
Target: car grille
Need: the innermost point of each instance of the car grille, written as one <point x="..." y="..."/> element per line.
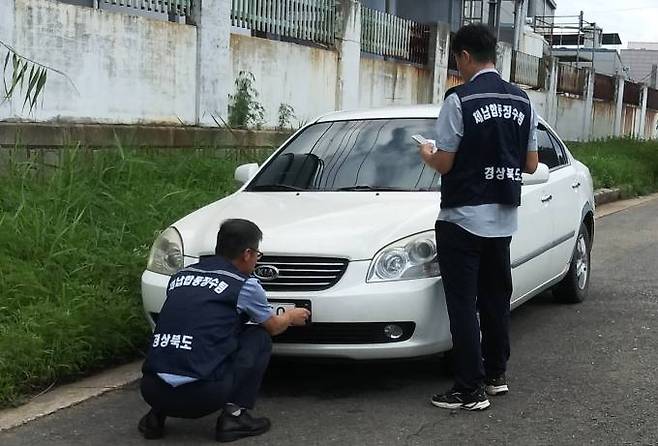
<point x="302" y="273"/>
<point x="344" y="333"/>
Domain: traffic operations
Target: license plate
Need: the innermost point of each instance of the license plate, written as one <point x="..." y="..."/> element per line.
<point x="281" y="306"/>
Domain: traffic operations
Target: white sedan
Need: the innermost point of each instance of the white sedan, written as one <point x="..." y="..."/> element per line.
<point x="347" y="210"/>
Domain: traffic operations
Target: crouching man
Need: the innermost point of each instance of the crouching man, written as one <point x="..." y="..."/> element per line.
<point x="204" y="356"/>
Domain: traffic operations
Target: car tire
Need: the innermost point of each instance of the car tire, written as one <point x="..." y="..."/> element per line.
<point x="574" y="286"/>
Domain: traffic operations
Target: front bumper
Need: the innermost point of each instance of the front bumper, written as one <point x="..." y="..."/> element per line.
<point x="356" y="304"/>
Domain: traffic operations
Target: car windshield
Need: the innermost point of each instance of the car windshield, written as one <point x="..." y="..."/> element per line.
<point x="360" y="155"/>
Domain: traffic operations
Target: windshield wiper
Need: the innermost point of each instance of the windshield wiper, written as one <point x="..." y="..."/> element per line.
<point x="366" y="187"/>
<point x="276" y="187"/>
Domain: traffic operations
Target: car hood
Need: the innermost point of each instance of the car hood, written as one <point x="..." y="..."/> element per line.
<point x="351" y="225"/>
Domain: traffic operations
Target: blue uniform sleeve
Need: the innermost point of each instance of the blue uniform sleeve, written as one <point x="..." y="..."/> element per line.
<point x="450" y="125"/>
<point x="253" y="302"/>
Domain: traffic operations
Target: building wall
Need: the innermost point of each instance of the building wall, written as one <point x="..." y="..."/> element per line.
<point x="423" y="11"/>
<point x="122" y="69"/>
<point x="639" y="62"/>
<point x="643" y="45"/>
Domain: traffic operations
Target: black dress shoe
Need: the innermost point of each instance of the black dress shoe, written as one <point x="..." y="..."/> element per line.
<point x="231" y="428"/>
<point x="152" y="425"/>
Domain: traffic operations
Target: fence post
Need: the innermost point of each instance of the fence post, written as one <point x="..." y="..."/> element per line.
<point x="213" y="67"/>
<point x="588" y="97"/>
<point x="643" y="111"/>
<point x="619" y="109"/>
<point x="504" y="60"/>
<point x="348" y="44"/>
<point x="439" y="53"/>
<point x="551" y="91"/>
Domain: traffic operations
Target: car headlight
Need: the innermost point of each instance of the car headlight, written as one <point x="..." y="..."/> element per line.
<point x="410" y="258"/>
<point x="166" y="256"/>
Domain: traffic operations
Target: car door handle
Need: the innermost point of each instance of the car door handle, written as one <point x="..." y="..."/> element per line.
<point x="546" y="198"/>
<point x="575" y="185"/>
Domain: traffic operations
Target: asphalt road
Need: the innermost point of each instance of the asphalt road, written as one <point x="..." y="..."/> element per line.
<point x="579" y="374"/>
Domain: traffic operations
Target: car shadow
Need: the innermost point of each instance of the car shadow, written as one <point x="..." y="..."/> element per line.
<point x="336" y="378"/>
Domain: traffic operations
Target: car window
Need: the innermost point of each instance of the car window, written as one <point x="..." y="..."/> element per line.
<point x="559" y="148"/>
<point x="546" y="150"/>
<point x="359" y="154"/>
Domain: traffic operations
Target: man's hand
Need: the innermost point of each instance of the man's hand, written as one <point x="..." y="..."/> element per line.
<point x="439" y="160"/>
<point x="426" y="151"/>
<point x="299" y="316"/>
<point x="278" y="324"/>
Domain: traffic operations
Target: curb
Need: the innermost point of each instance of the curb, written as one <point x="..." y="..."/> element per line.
<point x="70" y="394"/>
<point x="604" y="196"/>
<point x="605" y="209"/>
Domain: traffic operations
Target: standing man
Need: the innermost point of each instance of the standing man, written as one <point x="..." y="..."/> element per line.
<point x="204" y="356"/>
<point x="486" y="138"/>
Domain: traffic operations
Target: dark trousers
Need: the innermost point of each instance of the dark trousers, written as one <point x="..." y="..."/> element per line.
<point x="476" y="278"/>
<point x="239" y="381"/>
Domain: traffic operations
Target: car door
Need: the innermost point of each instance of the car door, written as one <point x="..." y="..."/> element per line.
<point x="564" y="188"/>
<point x="529" y="256"/>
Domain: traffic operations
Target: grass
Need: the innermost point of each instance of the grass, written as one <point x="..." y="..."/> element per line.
<point x="73" y="243"/>
<point x="628" y="164"/>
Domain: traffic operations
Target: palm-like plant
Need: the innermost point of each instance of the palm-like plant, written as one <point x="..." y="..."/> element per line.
<point x="24" y="75"/>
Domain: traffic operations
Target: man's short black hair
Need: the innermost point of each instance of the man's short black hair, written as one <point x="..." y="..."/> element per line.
<point x="236" y="235"/>
<point x="478" y="40"/>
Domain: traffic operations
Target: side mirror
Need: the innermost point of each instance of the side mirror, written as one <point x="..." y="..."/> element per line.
<point x="245" y="173"/>
<point x="539" y="177"/>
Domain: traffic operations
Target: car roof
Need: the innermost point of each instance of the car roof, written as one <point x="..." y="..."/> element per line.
<point x="390" y="112"/>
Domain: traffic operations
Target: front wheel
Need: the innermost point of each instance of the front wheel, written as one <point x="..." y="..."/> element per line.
<point x="575" y="285"/>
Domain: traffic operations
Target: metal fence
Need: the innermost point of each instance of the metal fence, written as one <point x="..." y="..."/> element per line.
<point x="309" y="20"/>
<point x="388" y="35"/>
<point x="454" y="79"/>
<point x="528" y="70"/>
<point x="632" y="93"/>
<point x="604" y="87"/>
<point x="571" y="80"/>
<point x="652" y="99"/>
<point x="180" y="8"/>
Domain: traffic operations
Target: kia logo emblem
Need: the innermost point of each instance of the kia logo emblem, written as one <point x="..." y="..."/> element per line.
<point x="266" y="273"/>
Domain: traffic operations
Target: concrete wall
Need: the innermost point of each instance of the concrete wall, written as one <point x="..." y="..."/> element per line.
<point x="385" y="83"/>
<point x="570" y="118"/>
<point x="538" y="99"/>
<point x="124" y="69"/>
<point x="651" y="125"/>
<point x="603" y="121"/>
<point x="301" y="76"/>
<point x="630" y="120"/>
<point x="128" y="69"/>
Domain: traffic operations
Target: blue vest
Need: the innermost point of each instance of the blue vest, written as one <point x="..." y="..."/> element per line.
<point x="197" y="326"/>
<point x="492" y="153"/>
